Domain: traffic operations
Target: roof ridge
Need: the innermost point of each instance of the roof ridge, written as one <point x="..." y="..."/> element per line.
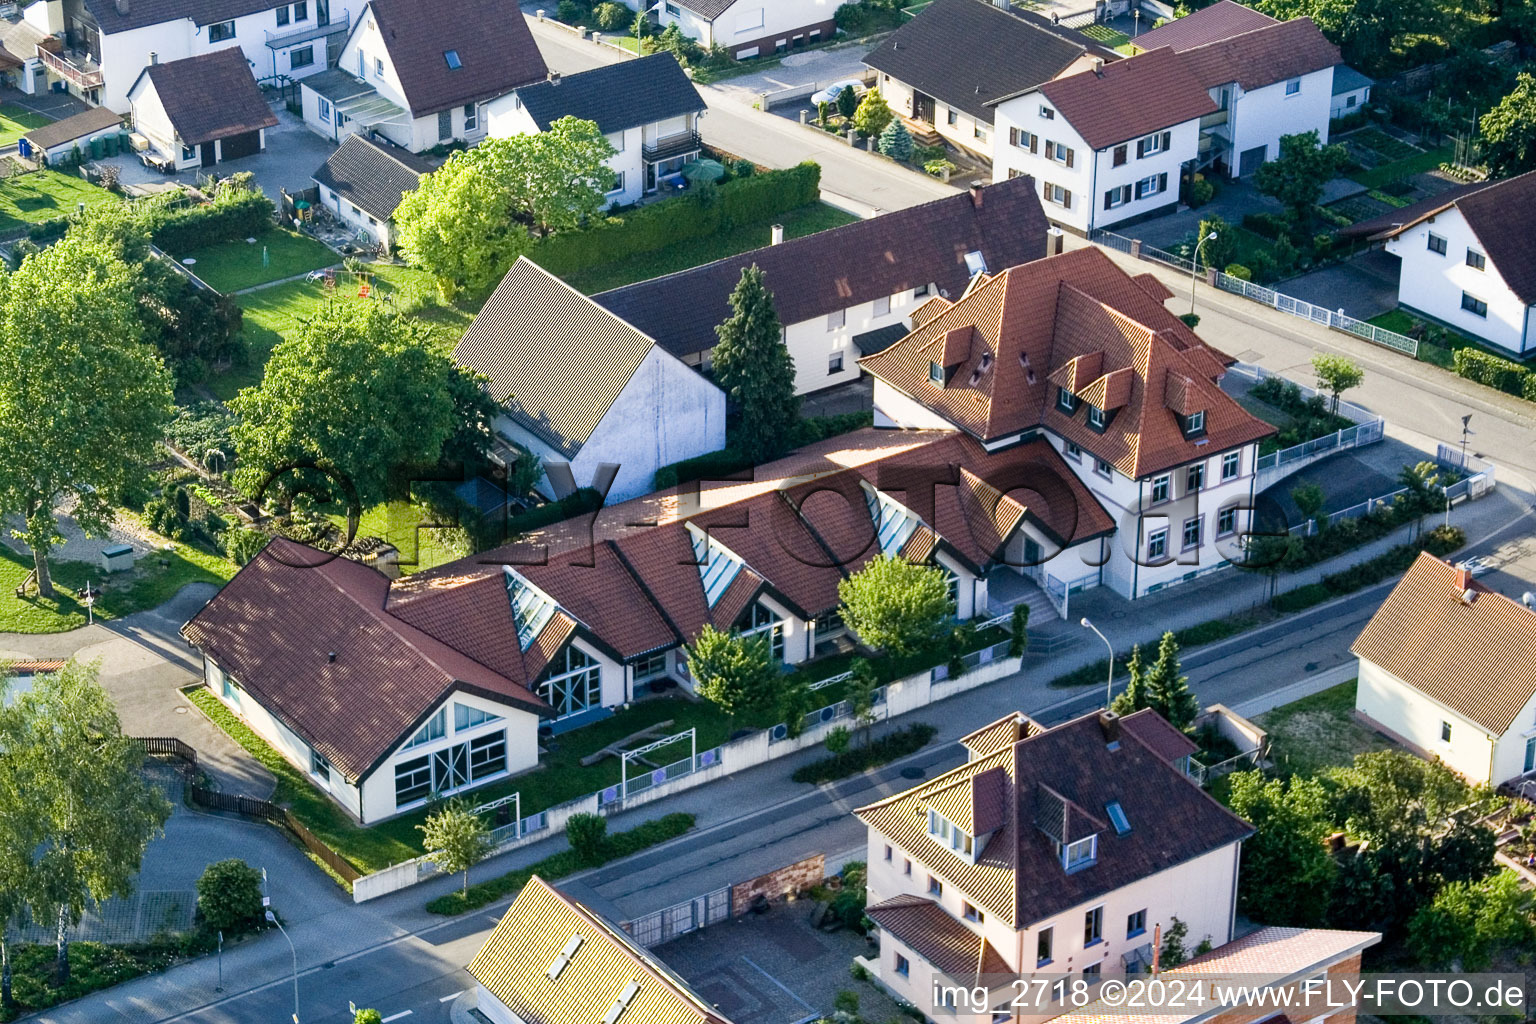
<point x="925" y="788"/>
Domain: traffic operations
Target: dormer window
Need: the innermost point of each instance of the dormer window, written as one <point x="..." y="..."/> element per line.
<point x="1096" y="418"/>
<point x="1066" y="401"/>
<point x="936" y="373"/>
<point x="949" y="835"/>
<point x="1194" y="423"/>
<point x="1080" y="854"/>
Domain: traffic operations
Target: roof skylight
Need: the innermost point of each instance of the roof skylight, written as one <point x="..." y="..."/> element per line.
<point x="894" y="522"/>
<point x="718" y="565"/>
<point x="531" y="608"/>
<point x="452" y="57"/>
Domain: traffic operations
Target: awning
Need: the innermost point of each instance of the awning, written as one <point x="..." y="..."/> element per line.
<point x="879" y="339"/>
<point x="355" y="98"/>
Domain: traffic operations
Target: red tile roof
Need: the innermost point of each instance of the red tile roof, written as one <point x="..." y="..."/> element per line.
<point x="925" y="928"/>
<point x="1109" y="105"/>
<point x="1221" y="20"/>
<point x="1102" y="322"/>
<point x="275" y="627"/>
<point x="210" y="96"/>
<point x="495" y="49"/>
<point x="1476" y="657"/>
<point x="1263" y="56"/>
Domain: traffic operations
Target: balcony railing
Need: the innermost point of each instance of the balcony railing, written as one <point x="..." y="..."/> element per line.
<point x="294" y="36"/>
<point x="671" y="146"/>
<point x="83" y="78"/>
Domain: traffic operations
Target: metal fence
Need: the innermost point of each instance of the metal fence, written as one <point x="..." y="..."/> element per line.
<point x="1349" y="437"/>
<point x="1203" y="774"/>
<point x="666" y="924"/>
<point x="136" y="918"/>
<point x="975" y="659"/>
<point x="666" y="773"/>
<point x="1365" y="508"/>
<point x="1060" y="591"/>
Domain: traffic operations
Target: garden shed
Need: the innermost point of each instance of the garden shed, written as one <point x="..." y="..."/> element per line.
<point x="55" y="143"/>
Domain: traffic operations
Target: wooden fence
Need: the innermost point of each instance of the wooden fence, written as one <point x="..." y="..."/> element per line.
<point x="168" y="748"/>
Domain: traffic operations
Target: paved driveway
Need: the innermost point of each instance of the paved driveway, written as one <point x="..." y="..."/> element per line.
<point x="1362" y="287"/>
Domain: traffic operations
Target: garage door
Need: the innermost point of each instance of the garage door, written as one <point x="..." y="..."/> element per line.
<point x="237" y="146"/>
<point x="1251" y="160"/>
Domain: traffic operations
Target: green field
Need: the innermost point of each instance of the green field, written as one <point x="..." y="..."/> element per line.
<point x="231" y="266"/>
<point x="16" y="122"/>
<point x="44" y="195"/>
<point x="1318" y="732"/>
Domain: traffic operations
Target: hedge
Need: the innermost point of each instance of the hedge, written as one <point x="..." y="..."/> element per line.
<point x="235" y="214"/>
<point x="1440" y="541"/>
<point x="1509" y="377"/>
<point x="749" y="200"/>
<point x="873" y="754"/>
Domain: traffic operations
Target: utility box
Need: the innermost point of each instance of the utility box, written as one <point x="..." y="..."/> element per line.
<point x="117" y="558"/>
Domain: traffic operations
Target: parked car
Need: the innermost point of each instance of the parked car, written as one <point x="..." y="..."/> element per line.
<point x="833" y="91"/>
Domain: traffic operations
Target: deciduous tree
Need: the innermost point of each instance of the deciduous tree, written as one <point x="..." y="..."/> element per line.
<point x="735" y="673"/>
<point x="1296" y="178"/>
<point x="872" y="115"/>
<point x="456" y="839"/>
<point x="753" y="366"/>
<point x="1287" y="873"/>
<point x="85" y="400"/>
<point x="1509" y="130"/>
<point x="1336" y="375"/>
<point x="897" y="606"/>
<point x="1467" y="921"/>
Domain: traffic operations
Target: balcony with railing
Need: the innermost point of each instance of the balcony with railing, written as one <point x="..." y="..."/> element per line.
<point x="303" y="34"/>
<point x="671" y="147"/>
<point x="81" y="71"/>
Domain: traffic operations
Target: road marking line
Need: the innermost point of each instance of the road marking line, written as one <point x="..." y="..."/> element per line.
<point x="397" y="1016"/>
<point x="452" y="996"/>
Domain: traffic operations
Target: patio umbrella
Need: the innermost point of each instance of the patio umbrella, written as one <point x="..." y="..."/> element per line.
<point x="704" y="170"/>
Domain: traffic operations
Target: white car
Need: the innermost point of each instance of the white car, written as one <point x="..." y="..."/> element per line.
<point x="833" y="91"/>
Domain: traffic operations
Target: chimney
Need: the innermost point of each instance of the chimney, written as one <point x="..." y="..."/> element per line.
<point x="154" y="58"/>
<point x="1055" y="241"/>
<point x="330" y="656"/>
<point x="554" y="78"/>
<point x="976" y="194"/>
<point x="1109" y="723"/>
<point x="1529" y="600"/>
<point x="1098" y="65"/>
<point x="1157" y="949"/>
<point x="1463" y="580"/>
<point x="777" y="238"/>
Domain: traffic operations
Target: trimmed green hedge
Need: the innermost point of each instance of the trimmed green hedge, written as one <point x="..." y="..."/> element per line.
<point x="749" y="200"/>
<point x="881" y="751"/>
<point x="1440" y="541"/>
<point x="566" y="862"/>
<point x="1192" y="636"/>
<point x="234" y="214"/>
<point x="1507" y="376"/>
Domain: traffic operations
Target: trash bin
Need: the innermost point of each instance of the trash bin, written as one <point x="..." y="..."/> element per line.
<point x="98" y="148"/>
<point x="116" y="558"/>
<point x="111" y="144"/>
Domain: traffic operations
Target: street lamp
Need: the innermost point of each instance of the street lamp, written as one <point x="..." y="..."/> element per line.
<point x="273" y="919"/>
<point x="1194" y="268"/>
<point x="1109" y="684"/>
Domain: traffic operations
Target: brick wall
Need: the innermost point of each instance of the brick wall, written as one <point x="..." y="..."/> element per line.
<point x="792" y="878"/>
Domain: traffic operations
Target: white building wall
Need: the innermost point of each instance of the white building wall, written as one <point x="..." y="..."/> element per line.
<point x="506" y="116"/>
<point x="1433" y="284"/>
<point x="1260" y="117"/>
<point x="357" y="218"/>
<point x="1352" y="102"/>
<point x="893" y="409"/>
<point x="814" y="344"/>
<point x="742" y="26"/>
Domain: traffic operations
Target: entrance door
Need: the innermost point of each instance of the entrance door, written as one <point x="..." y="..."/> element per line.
<point x="210" y="153"/>
<point x="1530" y="753"/>
<point x="1250" y="160"/>
<point x="322" y="13"/>
<point x="922" y="107"/>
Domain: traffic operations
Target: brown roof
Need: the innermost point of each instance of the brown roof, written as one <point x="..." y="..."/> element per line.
<point x="1263" y="56"/>
<point x="1066" y="775"/>
<point x="516" y="963"/>
<point x="1037" y="326"/>
<point x="929" y="931"/>
<point x="496" y="51"/>
<point x="211" y="96"/>
<point x="76" y="126"/>
<point x="1221" y="20"/>
<point x="1503" y="217"/>
<point x="274" y="627"/>
<point x="1476" y="659"/>
<point x="1109" y="106"/>
<point x="845" y="266"/>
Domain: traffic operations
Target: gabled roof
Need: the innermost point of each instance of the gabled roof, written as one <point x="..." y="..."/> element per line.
<point x="113" y="16"/>
<point x="211" y="96"/>
<point x="1502" y="214"/>
<point x="1221" y="20"/>
<point x="1018" y="875"/>
<point x="933" y="934"/>
<point x="1031" y="322"/>
<point x="1109" y="106"/>
<point x="492" y="45"/>
<point x="1477" y="658"/>
<point x="77" y="126"/>
<point x="372" y="175"/>
<point x="628" y="94"/>
<point x="1347" y="79"/>
<point x="275" y="626"/>
<point x="556" y="360"/>
<point x="968" y="53"/>
<point x="1263" y="56"/>
<point x="551" y="960"/>
<point x="845" y="266"/>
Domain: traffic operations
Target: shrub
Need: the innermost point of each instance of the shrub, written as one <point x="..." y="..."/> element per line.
<point x="1528" y="389"/>
<point x="1191" y="320"/>
<point x="588" y="837"/>
<point x="234" y="213"/>
<point x="369" y="1016"/>
<point x="611" y="17"/>
<point x="1200" y="192"/>
<point x="838" y="740"/>
<point x="571" y="12"/>
<point x="885" y="749"/>
<point x="229" y="896"/>
<point x="1490" y="370"/>
<point x="938" y="168"/>
<point x="927" y="154"/>
<point x="1270" y="225"/>
<point x="241" y="544"/>
<point x="1239" y="271"/>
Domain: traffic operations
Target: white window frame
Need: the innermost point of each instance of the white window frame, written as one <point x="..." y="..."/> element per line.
<point x="1293" y="88"/>
<point x="1162" y="488"/>
<point x="1151" y="144"/>
<point x="1231" y="466"/>
<point x="1198" y="523"/>
<point x="1226" y="521"/>
<point x="1157" y="542"/>
<point x="592" y="672"/>
<point x="1080" y="853"/>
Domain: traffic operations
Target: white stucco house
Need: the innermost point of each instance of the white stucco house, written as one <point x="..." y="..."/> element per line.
<point x="1100" y="153"/>
<point x="362" y="183"/>
<point x="648" y="109"/>
<point x="104" y="44"/>
<point x="849" y="291"/>
<point x="581" y="386"/>
<point x="420" y="75"/>
<point x="1351" y="91"/>
<point x="1071" y="351"/>
<point x="200" y="111"/>
<point x="748" y="28"/>
<point x="1467" y="261"/>
<point x="1446" y="667"/>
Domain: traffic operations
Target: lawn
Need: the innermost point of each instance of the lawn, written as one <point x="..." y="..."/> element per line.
<point x="806" y="220"/>
<point x="1318" y="732"/>
<point x="231" y="266"/>
<point x="32" y="198"/>
<point x="152" y="582"/>
<point x="399" y="522"/>
<point x="1385" y="174"/>
<point x="271" y="313"/>
<point x="16" y="122"/>
<point x="1438" y="344"/>
<point x="1112" y="38"/>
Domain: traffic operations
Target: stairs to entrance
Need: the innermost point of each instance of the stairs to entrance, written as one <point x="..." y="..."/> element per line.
<point x="923" y="133"/>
